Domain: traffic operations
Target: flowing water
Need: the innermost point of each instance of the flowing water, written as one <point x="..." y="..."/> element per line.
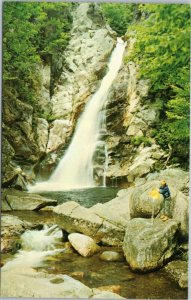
<point x="76" y="169"/>
<point x="36" y="245"/>
<point x="45" y="251"/>
<point x="85" y="197"/>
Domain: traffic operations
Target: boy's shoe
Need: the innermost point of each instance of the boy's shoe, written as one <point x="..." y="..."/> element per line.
<point x="165" y="218"/>
<point x="162" y="217"/>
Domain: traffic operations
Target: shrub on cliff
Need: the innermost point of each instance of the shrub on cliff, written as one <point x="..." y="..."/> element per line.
<point x="31" y="32"/>
<point x="162" y="52"/>
<point x="119" y="15"/>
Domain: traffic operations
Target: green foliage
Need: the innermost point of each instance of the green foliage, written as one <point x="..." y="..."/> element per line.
<point x="119" y="15"/>
<point x="153" y="133"/>
<point x="162" y="52"/>
<point x="48" y="117"/>
<point x="55" y="27"/>
<point x="32" y="31"/>
<point x="19" y="54"/>
<point x="137" y="141"/>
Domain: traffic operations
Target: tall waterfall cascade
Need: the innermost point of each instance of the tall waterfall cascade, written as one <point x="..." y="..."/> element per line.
<point x="76" y="168"/>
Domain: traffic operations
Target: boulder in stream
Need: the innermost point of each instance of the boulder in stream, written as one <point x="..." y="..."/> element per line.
<point x="18" y="200"/>
<point x="178" y="271"/>
<point x="148" y="244"/>
<point x="107" y="229"/>
<point x="83" y="244"/>
<point x="100" y="294"/>
<point x="25" y="282"/>
<point x="144" y="201"/>
<point x="111" y="256"/>
<point x="110" y="288"/>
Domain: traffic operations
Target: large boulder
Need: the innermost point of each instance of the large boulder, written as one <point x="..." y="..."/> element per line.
<point x="145" y="201"/>
<point x="109" y="214"/>
<point x="83" y="244"/>
<point x="74" y="218"/>
<point x="27" y="283"/>
<point x="148" y="244"/>
<point x="18" y="200"/>
<point x="178" y="270"/>
<point x="181" y="213"/>
<point x="100" y="294"/>
<point x="120" y="205"/>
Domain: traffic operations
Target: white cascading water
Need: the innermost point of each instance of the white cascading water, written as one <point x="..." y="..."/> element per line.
<point x="75" y="170"/>
<point x="36" y="245"/>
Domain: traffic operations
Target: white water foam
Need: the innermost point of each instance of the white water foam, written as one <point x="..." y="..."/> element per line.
<point x="36" y="245"/>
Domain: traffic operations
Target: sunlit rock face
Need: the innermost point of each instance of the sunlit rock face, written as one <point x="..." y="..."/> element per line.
<point x="131" y="115"/>
<point x="85" y="63"/>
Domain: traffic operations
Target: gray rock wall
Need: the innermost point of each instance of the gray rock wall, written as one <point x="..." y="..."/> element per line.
<point x="30" y="142"/>
<point x="130" y="119"/>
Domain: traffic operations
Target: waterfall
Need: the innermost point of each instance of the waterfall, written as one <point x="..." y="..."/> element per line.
<point x="105" y="166"/>
<point x="75" y="169"/>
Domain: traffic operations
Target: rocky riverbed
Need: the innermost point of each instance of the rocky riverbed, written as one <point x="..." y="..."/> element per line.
<point x="124" y="234"/>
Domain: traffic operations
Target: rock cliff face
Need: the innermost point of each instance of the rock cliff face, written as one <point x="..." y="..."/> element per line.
<point x="130" y="121"/>
<point x="27" y="139"/>
<point x="33" y="145"/>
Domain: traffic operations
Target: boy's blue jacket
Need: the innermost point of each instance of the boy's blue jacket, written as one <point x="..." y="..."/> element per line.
<point x="164" y="190"/>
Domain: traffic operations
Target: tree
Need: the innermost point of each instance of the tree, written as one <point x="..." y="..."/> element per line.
<point x="119" y="15"/>
<point x="32" y="32"/>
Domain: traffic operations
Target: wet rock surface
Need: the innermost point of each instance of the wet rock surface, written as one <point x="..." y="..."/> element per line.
<point x="83" y="244"/>
<point x="111" y="256"/>
<point x="40" y="285"/>
<point x="26" y="282"/>
<point x="178" y="270"/>
<point x="18" y="200"/>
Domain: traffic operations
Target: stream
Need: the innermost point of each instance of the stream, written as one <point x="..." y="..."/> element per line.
<point x="44" y="250"/>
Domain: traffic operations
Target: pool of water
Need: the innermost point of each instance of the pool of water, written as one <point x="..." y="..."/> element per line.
<point x="85" y="197"/>
<point x="95" y="272"/>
